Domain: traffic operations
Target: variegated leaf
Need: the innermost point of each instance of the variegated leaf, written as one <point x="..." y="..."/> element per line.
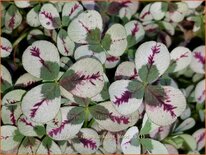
<point x="41" y="59"/>
<point x="49" y="16"/>
<point x="145" y="14"/>
<point x="126" y="71"/>
<point x="70" y="11"/>
<point x="26" y="80"/>
<point x="156" y="10"/>
<point x="164" y="104"/>
<point x="135" y="32"/>
<point x="111" y="61"/>
<point x="130" y="142"/>
<point x="29" y="128"/>
<point x="13" y="18"/>
<point x="13" y="97"/>
<point x="57" y="120"/>
<point x="186" y="114"/>
<point x="10" y="113"/>
<point x="84" y="78"/>
<point x="115" y="40"/>
<point x="177" y="11"/>
<point x="126" y="95"/>
<point x="22" y="4"/>
<point x="198" y="60"/>
<point x="181" y="57"/>
<point x="85" y="51"/>
<point x="199" y="136"/>
<point x="7" y="135"/>
<point x="104" y="94"/>
<point x="125" y="14"/>
<point x="29" y="146"/>
<point x="169" y="27"/>
<point x="32" y="17"/>
<point x="153" y="146"/>
<point x="147" y="126"/>
<point x="72" y="121"/>
<point x="108" y="118"/>
<point x="148" y="60"/>
<point x="6" y="81"/>
<point x="48" y="146"/>
<point x="110" y="142"/>
<point x="65" y="44"/>
<point x="160" y="133"/>
<point x="6" y="47"/>
<point x="87" y="141"/>
<point x="86" y="23"/>
<point x="186" y="124"/>
<point x="200" y="92"/>
<point x="42" y="103"/>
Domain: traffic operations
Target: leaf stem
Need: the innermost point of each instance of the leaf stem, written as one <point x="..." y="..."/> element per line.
<point x="91" y="122"/>
<point x="86" y="117"/>
<point x="20" y="38"/>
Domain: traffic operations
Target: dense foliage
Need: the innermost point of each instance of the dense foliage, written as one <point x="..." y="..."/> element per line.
<point x="102" y="77"/>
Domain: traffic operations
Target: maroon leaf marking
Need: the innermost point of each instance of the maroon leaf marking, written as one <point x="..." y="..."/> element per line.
<point x="90" y="78"/>
<point x="12" y="22"/>
<point x="124" y="98"/>
<point x="84" y="26"/>
<point x="155" y="50"/>
<point x="202" y="95"/>
<point x="119" y="120"/>
<point x="36" y="53"/>
<point x="26" y="122"/>
<point x="5" y="137"/>
<point x="134" y="75"/>
<point x="145" y="14"/>
<point x="112" y="58"/>
<point x="169" y="108"/>
<point x="182" y="56"/>
<point x="89" y="143"/>
<point x="151" y="29"/>
<point x="12" y="117"/>
<point x="125" y="4"/>
<point x="163" y="100"/>
<point x="70" y="83"/>
<point x="73" y="9"/>
<point x="199" y="57"/>
<point x="11" y="101"/>
<point x="55" y="121"/>
<point x="48" y="15"/>
<point x="7" y="49"/>
<point x="28" y="83"/>
<point x="117" y="40"/>
<point x="160" y="129"/>
<point x="201" y="137"/>
<point x="37" y="106"/>
<point x="63" y="42"/>
<point x="135" y="29"/>
<point x="58" y="130"/>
